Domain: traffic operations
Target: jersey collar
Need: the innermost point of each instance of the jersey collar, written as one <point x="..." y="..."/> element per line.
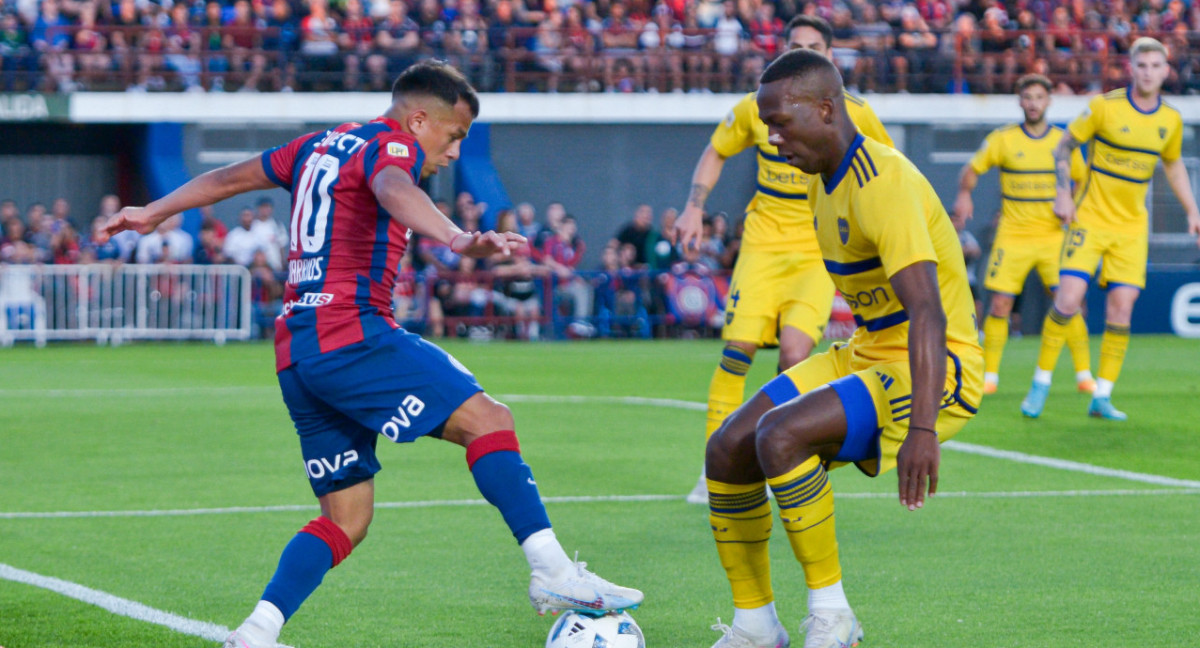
<point x="845" y="165"/>
<point x="390" y="123"/>
<point x="1036" y="137"/>
<point x="1129" y="96"/>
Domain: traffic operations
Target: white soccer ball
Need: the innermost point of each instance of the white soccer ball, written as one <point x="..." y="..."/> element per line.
<point x="613" y="630"/>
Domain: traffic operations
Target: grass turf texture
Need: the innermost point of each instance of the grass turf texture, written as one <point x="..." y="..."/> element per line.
<point x="191" y="426"/>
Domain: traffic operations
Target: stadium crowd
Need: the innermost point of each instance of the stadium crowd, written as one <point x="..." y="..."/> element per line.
<point x="573" y="45"/>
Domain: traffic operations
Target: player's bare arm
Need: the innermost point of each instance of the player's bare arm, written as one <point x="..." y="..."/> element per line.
<point x="1177" y="177"/>
<point x="1064" y="201"/>
<point x="205" y="189"/>
<point x="964" y="207"/>
<point x="917" y="462"/>
<point x="412" y="208"/>
<point x="690" y="224"/>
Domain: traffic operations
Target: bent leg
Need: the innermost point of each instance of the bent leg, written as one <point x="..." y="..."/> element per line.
<point x="727" y="389"/>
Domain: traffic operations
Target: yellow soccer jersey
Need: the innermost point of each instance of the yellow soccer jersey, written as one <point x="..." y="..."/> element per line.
<point x="877" y="216"/>
<point x="779" y="218"/>
<point x="1027" y="178"/>
<point x="1124" y="145"/>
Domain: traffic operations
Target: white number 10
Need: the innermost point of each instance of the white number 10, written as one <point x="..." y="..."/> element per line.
<point x="310" y="216"/>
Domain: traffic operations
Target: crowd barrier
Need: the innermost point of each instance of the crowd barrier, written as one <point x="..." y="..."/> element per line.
<point x="112" y="304"/>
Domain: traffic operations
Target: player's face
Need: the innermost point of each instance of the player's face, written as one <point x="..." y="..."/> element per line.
<point x="1149" y="71"/>
<point x="794" y="125"/>
<point x="805" y="37"/>
<point x="441" y="134"/>
<point x="1034" y="101"/>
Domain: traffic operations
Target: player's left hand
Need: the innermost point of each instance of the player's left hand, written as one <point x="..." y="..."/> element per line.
<point x="484" y="244"/>
<point x="129" y="218"/>
<point x="916" y="463"/>
<point x="1194" y="227"/>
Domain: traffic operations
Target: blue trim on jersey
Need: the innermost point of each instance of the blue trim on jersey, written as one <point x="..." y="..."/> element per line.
<point x="1124" y="148"/>
<point x="1025" y="171"/>
<point x="844" y="166"/>
<point x="780" y="389"/>
<point x="1119" y="176"/>
<point x="1129" y="96"/>
<point x="862" y="429"/>
<point x="880" y="323"/>
<point x="867" y="155"/>
<point x="854" y="267"/>
<point x="1075" y="273"/>
<point x="1036" y="137"/>
<point x="780" y="194"/>
<point x="768" y="156"/>
<point x="1118" y="284"/>
<point x="270" y="171"/>
<point x="1015" y="199"/>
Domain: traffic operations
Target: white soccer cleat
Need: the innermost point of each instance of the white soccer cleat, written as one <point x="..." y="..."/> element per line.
<point x="580" y="590"/>
<point x="237" y="639"/>
<point x="699" y="494"/>
<point x="831" y="629"/>
<point x="733" y="638"/>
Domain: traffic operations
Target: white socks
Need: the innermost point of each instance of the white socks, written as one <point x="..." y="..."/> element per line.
<point x="832" y="597"/>
<point x="263" y="625"/>
<point x="756" y="623"/>
<point x="1042" y="376"/>
<point x="546" y="557"/>
<point x="1103" y="389"/>
<point x="1083" y="376"/>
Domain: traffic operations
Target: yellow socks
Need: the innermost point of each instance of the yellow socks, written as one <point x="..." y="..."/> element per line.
<point x="1077" y="342"/>
<point x="728" y="387"/>
<point x="806" y="508"/>
<point x="740" y="515"/>
<point x="1054" y="335"/>
<point x="995" y="336"/>
<point x="1112" y="353"/>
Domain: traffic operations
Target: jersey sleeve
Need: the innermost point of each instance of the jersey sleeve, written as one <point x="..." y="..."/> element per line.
<point x="896" y="221"/>
<point x="1174" y="146"/>
<point x="866" y="120"/>
<point x="988" y="155"/>
<point x="278" y="162"/>
<point x="393" y="149"/>
<point x="735" y="133"/>
<point x="1087" y="124"/>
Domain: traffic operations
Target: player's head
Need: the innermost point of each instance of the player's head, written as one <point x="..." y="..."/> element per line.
<point x="1148" y="65"/>
<point x="810" y="32"/>
<point x="436" y="104"/>
<point x="1033" y="91"/>
<point x="800" y="100"/>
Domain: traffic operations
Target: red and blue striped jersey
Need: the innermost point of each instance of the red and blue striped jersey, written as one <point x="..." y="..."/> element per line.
<point x="345" y="247"/>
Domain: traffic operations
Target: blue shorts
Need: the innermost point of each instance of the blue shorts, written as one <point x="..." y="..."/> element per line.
<point x="395" y="384"/>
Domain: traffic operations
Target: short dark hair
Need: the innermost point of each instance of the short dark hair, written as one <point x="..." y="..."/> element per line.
<point x="816" y="22"/>
<point x="439" y="79"/>
<point x="1034" y="79"/>
<point x="796" y="63"/>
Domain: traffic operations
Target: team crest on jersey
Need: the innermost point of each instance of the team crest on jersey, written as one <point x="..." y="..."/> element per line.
<point x="729" y="119"/>
<point x="396" y="149"/>
<point x="844" y="230"/>
<point x="1162" y="133"/>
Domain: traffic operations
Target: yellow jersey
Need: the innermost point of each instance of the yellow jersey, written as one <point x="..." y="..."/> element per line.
<point x="875" y="217"/>
<point x="1124" y="145"/>
<point x="778" y="218"/>
<point x="1027" y="178"/>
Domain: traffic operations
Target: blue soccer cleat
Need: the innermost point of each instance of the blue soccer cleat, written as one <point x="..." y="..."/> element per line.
<point x="1035" y="400"/>
<point x="1102" y="407"/>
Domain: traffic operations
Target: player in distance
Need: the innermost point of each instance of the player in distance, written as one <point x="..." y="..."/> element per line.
<point x="1029" y="235"/>
<point x="779" y="293"/>
<point x="909" y="377"/>
<point x="347" y="371"/>
<point x="1128" y="130"/>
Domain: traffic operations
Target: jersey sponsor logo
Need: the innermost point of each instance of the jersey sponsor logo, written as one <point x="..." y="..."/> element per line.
<point x="302" y="270"/>
<point x="410" y="408"/>
<point x="864" y="298"/>
<point x="344" y="142"/>
<point x="796" y="179"/>
<point x="308" y="300"/>
<point x="844" y="230"/>
<point x="318" y="468"/>
<point x="396" y="149"/>
<point x="1128" y="162"/>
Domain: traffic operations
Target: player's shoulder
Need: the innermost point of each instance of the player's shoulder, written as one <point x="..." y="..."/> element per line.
<point x="1171" y="111"/>
<point x="1007" y="130"/>
<point x="747" y="106"/>
<point x="854" y="99"/>
<point x="1120" y="94"/>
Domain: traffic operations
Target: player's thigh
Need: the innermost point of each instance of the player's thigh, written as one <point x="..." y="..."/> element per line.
<point x="754" y="301"/>
<point x="1008" y="265"/>
<point x="807" y="298"/>
<point x="1125" y="263"/>
<point x="1081" y="252"/>
<point x="1048" y="255"/>
<point x="395" y="384"/>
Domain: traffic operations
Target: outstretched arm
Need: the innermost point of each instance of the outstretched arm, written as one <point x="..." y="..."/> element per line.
<point x="964" y="207"/>
<point x="1064" y="202"/>
<point x="1177" y="177"/>
<point x="205" y="189"/>
<point x="917" y="288"/>
<point x="690" y="223"/>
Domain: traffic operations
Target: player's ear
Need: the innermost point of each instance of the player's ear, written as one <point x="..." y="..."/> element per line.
<point x="417" y="121"/>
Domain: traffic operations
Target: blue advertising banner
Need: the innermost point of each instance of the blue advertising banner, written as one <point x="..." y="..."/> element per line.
<point x="1169" y="304"/>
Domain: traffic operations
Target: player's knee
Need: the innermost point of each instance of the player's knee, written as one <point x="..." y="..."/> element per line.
<point x="731" y="450"/>
<point x="1001" y="306"/>
<point x="775" y="438"/>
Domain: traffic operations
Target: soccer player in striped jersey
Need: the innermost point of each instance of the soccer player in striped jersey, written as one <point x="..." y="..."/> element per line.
<point x="348" y="372"/>
<point x="780" y="293"/>
<point x="909" y="377"/>
<point x="1029" y="236"/>
<point x="1128" y="130"/>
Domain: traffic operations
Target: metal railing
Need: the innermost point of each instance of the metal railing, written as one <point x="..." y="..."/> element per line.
<point x="113" y="304"/>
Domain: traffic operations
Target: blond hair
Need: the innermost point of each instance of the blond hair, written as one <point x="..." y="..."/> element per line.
<point x="1146" y="44"/>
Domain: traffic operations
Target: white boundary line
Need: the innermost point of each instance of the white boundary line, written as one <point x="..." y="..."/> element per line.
<point x="116" y="604"/>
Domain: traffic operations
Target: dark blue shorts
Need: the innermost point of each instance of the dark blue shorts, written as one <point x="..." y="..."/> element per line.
<point x="395" y="384"/>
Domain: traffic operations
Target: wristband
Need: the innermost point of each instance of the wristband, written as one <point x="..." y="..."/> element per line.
<point x="914" y="427"/>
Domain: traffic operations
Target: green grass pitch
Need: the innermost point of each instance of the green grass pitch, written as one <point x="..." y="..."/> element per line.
<point x="1079" y="560"/>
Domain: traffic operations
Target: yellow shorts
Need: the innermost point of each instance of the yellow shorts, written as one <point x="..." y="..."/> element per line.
<point x="770" y="290"/>
<point x="877" y="399"/>
<point x="1014" y="256"/>
<point x="1123" y="256"/>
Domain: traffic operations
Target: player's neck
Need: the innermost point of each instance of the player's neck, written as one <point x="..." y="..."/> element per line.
<point x="839" y="147"/>
<point x="1145" y="101"/>
<point x="1037" y="129"/>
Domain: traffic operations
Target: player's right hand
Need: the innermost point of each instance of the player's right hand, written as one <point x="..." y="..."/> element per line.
<point x="1064" y="207"/>
<point x="484" y="244"/>
<point x="689" y="227"/>
<point x="129" y="218"/>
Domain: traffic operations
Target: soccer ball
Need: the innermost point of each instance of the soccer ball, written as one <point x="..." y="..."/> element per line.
<point x="613" y="630"/>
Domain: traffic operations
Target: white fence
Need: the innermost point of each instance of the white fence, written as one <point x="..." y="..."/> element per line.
<point x="112" y="304"/>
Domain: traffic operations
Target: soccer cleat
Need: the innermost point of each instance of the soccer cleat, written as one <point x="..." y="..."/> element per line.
<point x="237" y="639"/>
<point x="989" y="387"/>
<point x="733" y="638"/>
<point x="582" y="591"/>
<point x="699" y="494"/>
<point x="1035" y="400"/>
<point x="1102" y="407"/>
<point x="1086" y="386"/>
<point x="831" y="629"/>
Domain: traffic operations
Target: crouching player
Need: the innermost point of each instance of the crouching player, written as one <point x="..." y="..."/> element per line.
<point x="909" y="378"/>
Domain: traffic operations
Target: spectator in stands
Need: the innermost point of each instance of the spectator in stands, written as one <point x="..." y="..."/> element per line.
<point x="208" y="251"/>
<point x="467" y="212"/>
<point x="241" y="242"/>
<point x="619" y="36"/>
<point x="241" y="39"/>
<point x="64" y="246"/>
<point x="8" y="211"/>
<point x="266" y="293"/>
<point x="547" y="49"/>
<point x="728" y="44"/>
<point x="876" y="38"/>
<point x="467" y="44"/>
<point x="1062" y="41"/>
<point x="167" y="244"/>
<point x="528" y="225"/>
<point x="637" y="232"/>
<point x="661" y="251"/>
<point x="516" y="289"/>
<point x="561" y="254"/>
<point x="52" y="43"/>
<point x="579" y="49"/>
<point x="433" y="27"/>
<point x="846" y="44"/>
<point x="766" y="31"/>
<point x="357" y="41"/>
<point x="40" y="231"/>
<point x="399" y="44"/>
<point x="996" y="52"/>
<point x="272" y="234"/>
<point x="12" y="233"/>
<point x="18" y="62"/>
<point x="60" y="214"/>
<point x="319" y="33"/>
<point x="183" y="45"/>
<point x="90" y="45"/>
<point x="282" y="38"/>
<point x="915" y="45"/>
<point x="108" y="252"/>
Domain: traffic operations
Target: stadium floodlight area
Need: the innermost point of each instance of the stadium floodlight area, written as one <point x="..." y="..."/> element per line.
<point x="111" y="304"/>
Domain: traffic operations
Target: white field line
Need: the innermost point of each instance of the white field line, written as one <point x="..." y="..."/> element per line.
<point x="1073" y="466"/>
<point x="116" y="604"/>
